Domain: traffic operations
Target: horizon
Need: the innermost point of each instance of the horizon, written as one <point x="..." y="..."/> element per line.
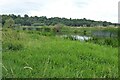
<point x="75" y="9"/>
<point x="55" y="17"/>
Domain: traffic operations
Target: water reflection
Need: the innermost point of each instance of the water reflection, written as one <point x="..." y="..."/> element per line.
<point x="77" y="37"/>
<point x="81" y="38"/>
<point x="104" y="34"/>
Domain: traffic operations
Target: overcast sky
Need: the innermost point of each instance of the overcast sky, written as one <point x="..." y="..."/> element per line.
<point x="105" y="10"/>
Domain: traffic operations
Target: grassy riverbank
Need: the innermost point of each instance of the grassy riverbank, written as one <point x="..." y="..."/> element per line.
<point x="36" y="55"/>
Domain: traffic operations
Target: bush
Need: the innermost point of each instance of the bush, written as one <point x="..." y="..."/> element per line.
<point x="57" y="28"/>
<point x="75" y="31"/>
<point x="105" y="41"/>
<point x="108" y="41"/>
<point x="12" y="40"/>
<point x="111" y="41"/>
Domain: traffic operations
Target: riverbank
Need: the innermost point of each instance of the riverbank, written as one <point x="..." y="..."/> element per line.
<point x="37" y="55"/>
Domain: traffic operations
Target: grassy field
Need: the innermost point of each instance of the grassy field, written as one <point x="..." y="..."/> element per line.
<point x="33" y="55"/>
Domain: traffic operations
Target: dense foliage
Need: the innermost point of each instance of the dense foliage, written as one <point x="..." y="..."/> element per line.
<point x="43" y="20"/>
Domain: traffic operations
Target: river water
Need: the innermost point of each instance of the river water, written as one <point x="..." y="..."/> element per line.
<point x="99" y="34"/>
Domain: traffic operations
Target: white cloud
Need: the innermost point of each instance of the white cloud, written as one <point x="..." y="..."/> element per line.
<point x="60" y="8"/>
<point x="91" y="9"/>
<point x="102" y="10"/>
<point x="20" y="6"/>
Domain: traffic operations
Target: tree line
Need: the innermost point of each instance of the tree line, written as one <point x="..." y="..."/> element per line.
<point x="44" y="21"/>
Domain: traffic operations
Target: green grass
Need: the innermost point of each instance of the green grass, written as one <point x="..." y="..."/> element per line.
<point x="52" y="56"/>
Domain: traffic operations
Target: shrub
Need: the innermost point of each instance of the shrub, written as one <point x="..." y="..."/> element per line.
<point x="57" y="28"/>
<point x="9" y="23"/>
<point x="75" y="31"/>
<point x="12" y="40"/>
<point x="108" y="41"/>
<point x="105" y="41"/>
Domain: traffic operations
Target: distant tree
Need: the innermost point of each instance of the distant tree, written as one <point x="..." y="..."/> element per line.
<point x="26" y="16"/>
<point x="9" y="23"/>
<point x="105" y="23"/>
<point x="27" y="23"/>
<point x="4" y="18"/>
<point x="13" y="16"/>
<point x="43" y="20"/>
<point x="0" y="21"/>
<point x="58" y="27"/>
<point x="19" y="16"/>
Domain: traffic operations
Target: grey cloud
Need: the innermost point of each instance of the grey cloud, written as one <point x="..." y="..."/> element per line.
<point x="81" y="3"/>
<point x="22" y="7"/>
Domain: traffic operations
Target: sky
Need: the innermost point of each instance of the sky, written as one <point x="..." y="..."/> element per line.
<point x="99" y="10"/>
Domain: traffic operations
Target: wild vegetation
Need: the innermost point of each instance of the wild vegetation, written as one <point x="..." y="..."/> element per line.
<point x="45" y="53"/>
<point x="34" y="54"/>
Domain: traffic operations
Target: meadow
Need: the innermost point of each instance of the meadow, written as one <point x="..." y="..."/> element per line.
<point x="35" y="54"/>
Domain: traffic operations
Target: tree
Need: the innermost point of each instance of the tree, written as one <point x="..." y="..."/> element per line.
<point x="0" y="21"/>
<point x="26" y="16"/>
<point x="58" y="27"/>
<point x="9" y="23"/>
<point x="43" y="20"/>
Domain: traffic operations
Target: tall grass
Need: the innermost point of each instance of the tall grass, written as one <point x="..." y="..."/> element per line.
<point x="51" y="56"/>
